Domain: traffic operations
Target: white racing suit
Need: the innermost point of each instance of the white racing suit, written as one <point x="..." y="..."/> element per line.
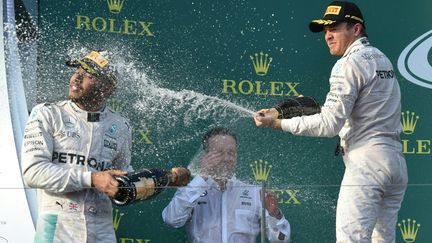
<point x="62" y="146"/>
<point x="363" y="106"/>
<point x="230" y="216"/>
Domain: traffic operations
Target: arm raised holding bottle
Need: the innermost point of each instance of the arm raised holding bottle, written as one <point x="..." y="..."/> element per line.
<point x="286" y="109"/>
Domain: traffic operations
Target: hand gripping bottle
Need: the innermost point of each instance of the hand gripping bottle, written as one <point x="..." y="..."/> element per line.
<point x="148" y="183"/>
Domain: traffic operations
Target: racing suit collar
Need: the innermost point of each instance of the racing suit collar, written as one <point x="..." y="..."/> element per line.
<point x="363" y="41"/>
<point x="85" y="115"/>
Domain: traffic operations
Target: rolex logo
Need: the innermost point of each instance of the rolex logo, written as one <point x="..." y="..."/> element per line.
<point x="261" y="63"/>
<point x="115" y="6"/>
<point x="409" y="122"/>
<point x="261" y="170"/>
<point x="116" y="219"/>
<point x="409" y="230"/>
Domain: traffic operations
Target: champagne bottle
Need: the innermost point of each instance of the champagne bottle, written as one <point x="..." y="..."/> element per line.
<point x="299" y="106"/>
<point x="148" y="183"/>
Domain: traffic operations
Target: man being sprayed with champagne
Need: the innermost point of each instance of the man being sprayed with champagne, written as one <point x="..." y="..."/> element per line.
<point x="217" y="207"/>
<point x="75" y="150"/>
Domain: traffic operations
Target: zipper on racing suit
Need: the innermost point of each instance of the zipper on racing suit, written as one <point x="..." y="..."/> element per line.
<point x="87" y="169"/>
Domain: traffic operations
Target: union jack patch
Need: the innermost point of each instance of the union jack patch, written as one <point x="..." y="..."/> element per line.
<point x="73" y="207"/>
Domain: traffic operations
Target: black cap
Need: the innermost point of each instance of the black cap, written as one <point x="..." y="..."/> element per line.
<point x="97" y="65"/>
<point x="336" y="12"/>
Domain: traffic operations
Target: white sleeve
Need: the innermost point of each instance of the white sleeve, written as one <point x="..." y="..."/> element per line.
<point x="345" y="84"/>
<point x="179" y="210"/>
<point x="37" y="152"/>
<point x="276" y="226"/>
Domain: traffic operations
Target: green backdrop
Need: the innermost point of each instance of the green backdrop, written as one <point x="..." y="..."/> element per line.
<point x="186" y="67"/>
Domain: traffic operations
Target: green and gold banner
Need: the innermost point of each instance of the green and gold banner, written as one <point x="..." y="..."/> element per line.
<point x="187" y="66"/>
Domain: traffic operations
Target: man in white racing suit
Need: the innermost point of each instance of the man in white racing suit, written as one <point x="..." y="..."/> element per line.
<point x="216" y="207"/>
<point x="71" y="150"/>
<point x="363" y="107"/>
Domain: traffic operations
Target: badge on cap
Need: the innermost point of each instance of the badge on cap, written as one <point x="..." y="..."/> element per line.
<point x="333" y="10"/>
<point x="97" y="58"/>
